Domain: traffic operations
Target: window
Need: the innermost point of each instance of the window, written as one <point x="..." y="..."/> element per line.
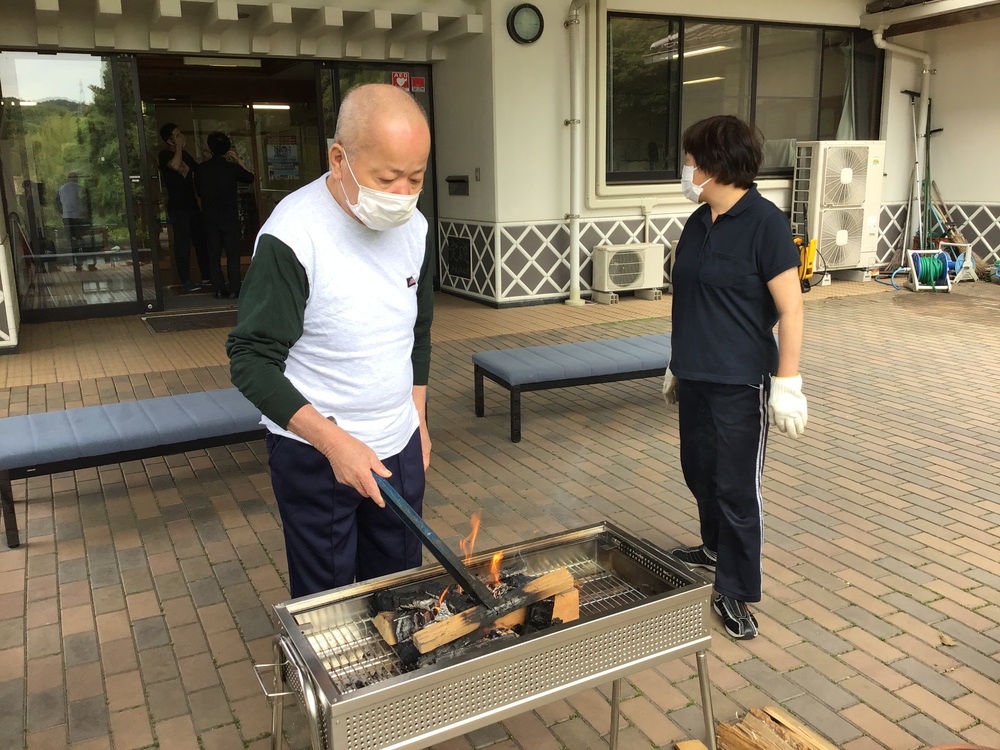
<point x="788" y="62"/>
<point x="643" y="83"/>
<point x="717" y="65"/>
<point x="791" y="82"/>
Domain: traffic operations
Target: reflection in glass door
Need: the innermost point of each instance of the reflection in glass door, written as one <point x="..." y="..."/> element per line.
<point x="63" y="143"/>
<point x="196" y="122"/>
<point x="279" y="143"/>
<point x="287" y="149"/>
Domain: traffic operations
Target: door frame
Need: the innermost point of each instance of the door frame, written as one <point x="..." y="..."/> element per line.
<point x="109" y="309"/>
<point x="142" y="157"/>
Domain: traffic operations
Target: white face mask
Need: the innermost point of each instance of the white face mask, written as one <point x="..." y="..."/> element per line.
<point x="691" y="191"/>
<point x="377" y="209"/>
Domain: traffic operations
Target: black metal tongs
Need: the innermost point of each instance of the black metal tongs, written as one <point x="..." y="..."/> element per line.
<point x="463" y="576"/>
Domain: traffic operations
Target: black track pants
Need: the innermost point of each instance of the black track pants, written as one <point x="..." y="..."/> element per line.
<point x="723" y="432"/>
<point x="333" y="535"/>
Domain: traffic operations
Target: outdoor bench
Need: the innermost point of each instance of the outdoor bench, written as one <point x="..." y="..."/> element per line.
<point x="535" y="368"/>
<point x="40" y="444"/>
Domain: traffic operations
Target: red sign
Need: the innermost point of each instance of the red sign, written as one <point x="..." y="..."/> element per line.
<point x="417" y="84"/>
<point x="402" y="80"/>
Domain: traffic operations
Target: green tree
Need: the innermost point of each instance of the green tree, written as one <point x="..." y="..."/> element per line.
<point x="105" y="183"/>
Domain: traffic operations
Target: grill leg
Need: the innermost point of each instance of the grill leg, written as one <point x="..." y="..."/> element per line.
<point x="515" y="414"/>
<point x="616" y="694"/>
<point x="278" y="702"/>
<point x="480" y="398"/>
<point x="706" y="699"/>
<point x="7" y="506"/>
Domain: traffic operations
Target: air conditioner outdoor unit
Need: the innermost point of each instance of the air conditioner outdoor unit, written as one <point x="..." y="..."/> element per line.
<point x="836" y="199"/>
<point x="620" y="268"/>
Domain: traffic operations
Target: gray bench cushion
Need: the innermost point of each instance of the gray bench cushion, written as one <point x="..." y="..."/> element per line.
<point x="37" y="439"/>
<point x="541" y="364"/>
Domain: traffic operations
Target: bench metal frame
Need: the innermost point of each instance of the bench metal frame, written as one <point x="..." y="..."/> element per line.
<point x="88" y="462"/>
<point x="515" y="390"/>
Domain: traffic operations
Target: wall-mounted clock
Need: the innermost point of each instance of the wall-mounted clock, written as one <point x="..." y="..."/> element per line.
<point x="525" y="24"/>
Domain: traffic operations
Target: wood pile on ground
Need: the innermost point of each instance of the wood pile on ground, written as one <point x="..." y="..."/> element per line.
<point x="768" y="728"/>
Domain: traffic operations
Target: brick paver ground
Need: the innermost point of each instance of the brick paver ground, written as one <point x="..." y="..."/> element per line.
<point x="133" y="614"/>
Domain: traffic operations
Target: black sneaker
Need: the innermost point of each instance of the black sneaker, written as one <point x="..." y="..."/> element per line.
<point x="736" y="616"/>
<point x="696" y="557"/>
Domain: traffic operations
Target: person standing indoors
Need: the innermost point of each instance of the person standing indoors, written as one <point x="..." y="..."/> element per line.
<point x="735" y="276"/>
<point x="72" y="200"/>
<point x="332" y="344"/>
<point x="177" y="169"/>
<point x="217" y="183"/>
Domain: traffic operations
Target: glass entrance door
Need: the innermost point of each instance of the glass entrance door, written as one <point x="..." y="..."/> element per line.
<point x="66" y="145"/>
<point x="196" y="122"/>
<point x="268" y="109"/>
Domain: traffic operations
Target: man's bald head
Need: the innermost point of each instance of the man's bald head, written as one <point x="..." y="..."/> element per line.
<point x="367" y="110"/>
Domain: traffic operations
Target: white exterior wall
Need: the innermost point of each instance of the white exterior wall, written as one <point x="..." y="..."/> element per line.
<point x="531" y="102"/>
<point x="464" y="128"/>
<point x="965" y="92"/>
<point x="965" y="102"/>
<point x="901" y="73"/>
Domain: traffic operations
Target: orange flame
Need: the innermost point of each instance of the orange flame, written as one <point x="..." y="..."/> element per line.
<point x="469" y="543"/>
<point x="495" y="569"/>
<point x="441" y="599"/>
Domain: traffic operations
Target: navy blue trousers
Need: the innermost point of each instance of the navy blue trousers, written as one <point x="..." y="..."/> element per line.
<point x="189" y="229"/>
<point x="723" y="432"/>
<point x="223" y="235"/>
<point x="333" y="535"/>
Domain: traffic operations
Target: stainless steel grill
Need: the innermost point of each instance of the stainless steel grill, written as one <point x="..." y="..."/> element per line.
<point x="638" y="607"/>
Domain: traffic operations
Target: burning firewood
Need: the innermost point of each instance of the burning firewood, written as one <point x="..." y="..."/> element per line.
<point x="424" y="621"/>
<point x="447" y="630"/>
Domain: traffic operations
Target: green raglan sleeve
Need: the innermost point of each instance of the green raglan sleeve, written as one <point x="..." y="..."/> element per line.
<point x="271" y="313"/>
<point x="421" y="356"/>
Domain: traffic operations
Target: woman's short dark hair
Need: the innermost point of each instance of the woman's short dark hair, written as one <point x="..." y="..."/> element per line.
<point x="219" y="143"/>
<point x="167" y="131"/>
<point x="726" y="148"/>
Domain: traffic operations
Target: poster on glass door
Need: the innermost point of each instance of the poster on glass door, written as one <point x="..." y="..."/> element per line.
<point x="282" y="153"/>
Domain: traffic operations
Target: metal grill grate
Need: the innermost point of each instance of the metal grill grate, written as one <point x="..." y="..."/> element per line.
<point x="356" y="656"/>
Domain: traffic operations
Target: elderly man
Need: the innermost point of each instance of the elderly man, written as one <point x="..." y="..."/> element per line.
<point x="333" y="346"/>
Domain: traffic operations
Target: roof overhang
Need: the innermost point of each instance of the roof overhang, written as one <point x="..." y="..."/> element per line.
<point x="897" y="17"/>
<point x="349" y="29"/>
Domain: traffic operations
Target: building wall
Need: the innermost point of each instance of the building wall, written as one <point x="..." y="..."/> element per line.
<point x="464" y="128"/>
<point x="965" y="103"/>
<point x="532" y="104"/>
<point x="965" y="157"/>
<point x="520" y="253"/>
<point x="532" y="100"/>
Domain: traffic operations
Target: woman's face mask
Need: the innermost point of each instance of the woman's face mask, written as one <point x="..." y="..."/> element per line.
<point x="691" y="191"/>
<point x="377" y="209"/>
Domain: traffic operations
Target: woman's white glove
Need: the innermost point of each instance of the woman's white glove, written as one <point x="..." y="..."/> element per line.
<point x="786" y="406"/>
<point x="669" y="388"/>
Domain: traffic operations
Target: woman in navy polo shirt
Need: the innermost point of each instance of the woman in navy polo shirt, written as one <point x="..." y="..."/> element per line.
<point x="735" y="276"/>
